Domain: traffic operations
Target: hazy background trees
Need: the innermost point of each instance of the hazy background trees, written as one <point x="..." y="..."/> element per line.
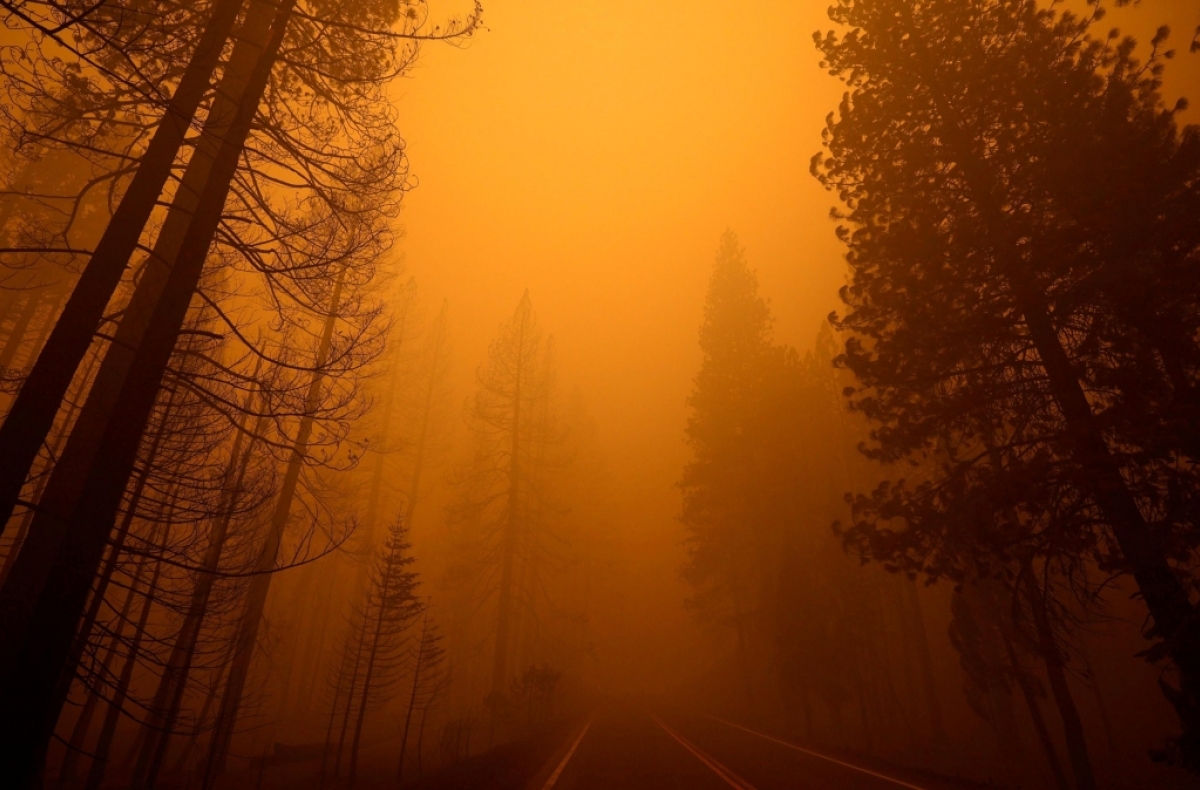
<point x="246" y="484"/>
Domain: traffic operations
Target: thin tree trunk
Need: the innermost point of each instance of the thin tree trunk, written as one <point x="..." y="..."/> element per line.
<point x="32" y="415"/>
<point x="358" y="648"/>
<point x="512" y="528"/>
<point x="337" y="691"/>
<point x="317" y="641"/>
<point x="421" y="738"/>
<point x="368" y="677"/>
<point x="860" y="686"/>
<point x="414" y="485"/>
<point x="168" y="698"/>
<point x="122" y="533"/>
<point x="102" y="584"/>
<point x="376" y="490"/>
<point x="209" y="700"/>
<point x="121" y="692"/>
<point x="98" y="596"/>
<point x="79" y="734"/>
<point x="412" y="698"/>
<point x="260" y="585"/>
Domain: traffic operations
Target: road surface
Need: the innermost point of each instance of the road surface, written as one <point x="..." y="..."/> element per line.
<point x="636" y="748"/>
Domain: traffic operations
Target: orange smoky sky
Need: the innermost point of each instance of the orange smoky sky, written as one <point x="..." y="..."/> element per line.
<point x="593" y="152"/>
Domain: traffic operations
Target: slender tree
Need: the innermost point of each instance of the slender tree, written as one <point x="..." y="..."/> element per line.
<point x="426" y="676"/>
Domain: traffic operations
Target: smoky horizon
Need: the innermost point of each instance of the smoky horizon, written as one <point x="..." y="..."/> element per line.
<point x="492" y="394"/>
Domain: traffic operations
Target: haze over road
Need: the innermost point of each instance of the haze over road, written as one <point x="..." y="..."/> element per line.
<point x="630" y="746"/>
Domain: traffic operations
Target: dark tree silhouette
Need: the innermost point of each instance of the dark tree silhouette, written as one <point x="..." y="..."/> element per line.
<point x="981" y="325"/>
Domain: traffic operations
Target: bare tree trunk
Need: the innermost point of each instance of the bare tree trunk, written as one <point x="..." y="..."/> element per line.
<point x="333" y="709"/>
<point x="260" y="585"/>
<point x="317" y="639"/>
<point x="414" y="485"/>
<point x="79" y="734"/>
<point x="358" y="648"/>
<point x="98" y="596"/>
<point x="121" y="692"/>
<point x="168" y="698"/>
<point x="860" y="687"/>
<point x="122" y="533"/>
<point x="397" y="338"/>
<point x="210" y="698"/>
<point x="512" y="529"/>
<point x="421" y="740"/>
<point x="412" y="698"/>
<point x="368" y="677"/>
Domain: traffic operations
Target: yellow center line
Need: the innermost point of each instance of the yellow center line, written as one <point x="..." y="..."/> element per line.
<point x="567" y="757"/>
<point x="732" y="779"/>
<point x="794" y="747"/>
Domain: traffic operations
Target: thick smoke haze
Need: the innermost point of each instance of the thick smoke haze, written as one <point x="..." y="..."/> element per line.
<point x="565" y="394"/>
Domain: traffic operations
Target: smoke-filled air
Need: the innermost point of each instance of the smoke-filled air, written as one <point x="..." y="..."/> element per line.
<point x="581" y="395"/>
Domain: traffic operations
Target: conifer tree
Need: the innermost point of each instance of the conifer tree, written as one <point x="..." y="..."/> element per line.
<point x="982" y="323"/>
<point x="495" y="491"/>
<point x="729" y="540"/>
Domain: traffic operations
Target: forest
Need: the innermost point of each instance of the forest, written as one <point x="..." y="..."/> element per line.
<point x="492" y="394"/>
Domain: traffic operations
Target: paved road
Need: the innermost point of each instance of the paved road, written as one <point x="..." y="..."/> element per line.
<point x="630" y="747"/>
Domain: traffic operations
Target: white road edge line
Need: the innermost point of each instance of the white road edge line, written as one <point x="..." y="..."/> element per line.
<point x="793" y="746"/>
<point x="732" y="779"/>
<point x="567" y="758"/>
